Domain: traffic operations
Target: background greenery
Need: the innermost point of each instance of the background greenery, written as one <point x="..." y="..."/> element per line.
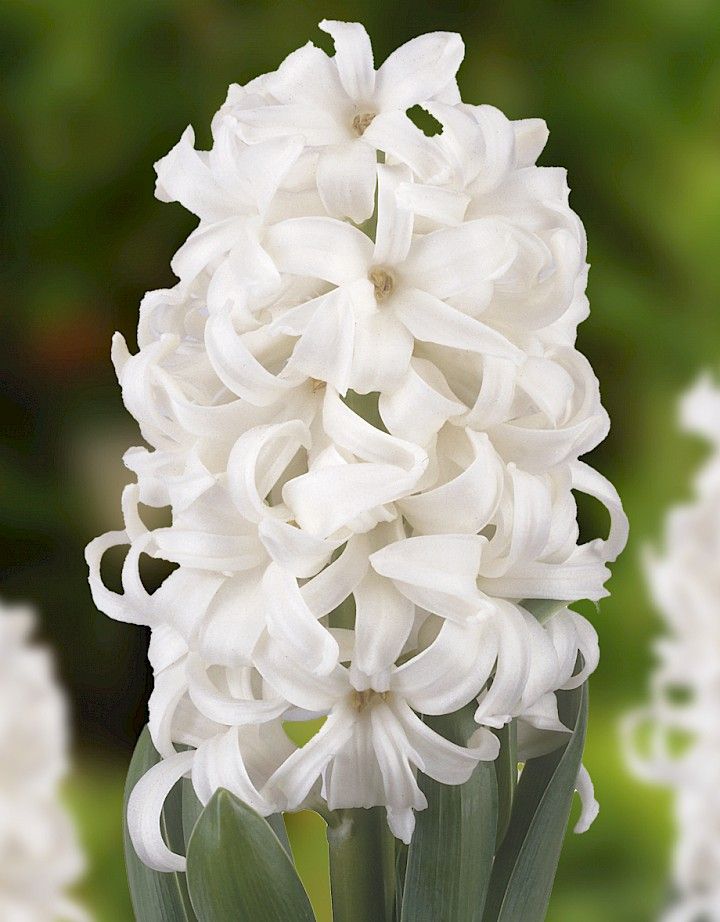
<point x="94" y="92"/>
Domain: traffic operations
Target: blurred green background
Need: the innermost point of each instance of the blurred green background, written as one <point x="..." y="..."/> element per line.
<point x="94" y="92"/>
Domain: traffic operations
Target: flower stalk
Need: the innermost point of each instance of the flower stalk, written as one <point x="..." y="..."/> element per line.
<point x="362" y="866"/>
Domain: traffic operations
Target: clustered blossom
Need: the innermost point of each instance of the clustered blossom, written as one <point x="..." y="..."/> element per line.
<point x="39" y="856"/>
<point x="682" y="716"/>
<point x="365" y="410"/>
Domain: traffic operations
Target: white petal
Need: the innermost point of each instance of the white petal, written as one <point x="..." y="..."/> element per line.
<point x="294" y="550"/>
<point x="581" y="576"/>
<point x="309" y="77"/>
<point x="465" y="503"/>
<point x="237" y="367"/>
<point x="257" y="170"/>
<point x="497" y="390"/>
<point x="333" y="495"/>
<point x="219" y="764"/>
<point x="353" y="777"/>
<point x="432" y="320"/>
<point x="499" y="703"/>
<point x="329" y="498"/>
<point x="350" y="431"/>
<point x="296" y="776"/>
<point x="170" y="687"/>
<point x="334" y="584"/>
<point x="396" y="758"/>
<point x="382" y="349"/>
<point x="113" y="604"/>
<point x="183" y="176"/>
<point x="419" y="69"/>
<point x="319" y="248"/>
<point x="531" y="136"/>
<point x="530" y="515"/>
<point x="395" y="221"/>
<point x="449" y="261"/>
<point x="588" y="480"/>
<point x="442" y="760"/>
<point x="540" y="730"/>
<point x="346" y="176"/>
<point x="548" y="385"/>
<point x="383" y="621"/>
<point x="246" y="271"/>
<point x="590" y="806"/>
<point x="437" y="572"/>
<point x="402" y="823"/>
<point x="234" y="621"/>
<point x="421" y="405"/>
<point x="209" y="242"/>
<point x="325" y="349"/>
<point x="353" y="57"/>
<point x="315" y="125"/>
<point x="223" y="708"/>
<point x="586" y="641"/>
<point x="207" y="551"/>
<point x="145" y="806"/>
<point x="256" y="463"/>
<point x="402" y="141"/>
<point x="451" y="671"/>
<point x="443" y="206"/>
<point x="293" y="626"/>
<point x="295" y="682"/>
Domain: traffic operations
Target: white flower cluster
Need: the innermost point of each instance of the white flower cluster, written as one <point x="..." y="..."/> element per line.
<point x="365" y="411"/>
<point x="39" y="856"/>
<point x="683" y="713"/>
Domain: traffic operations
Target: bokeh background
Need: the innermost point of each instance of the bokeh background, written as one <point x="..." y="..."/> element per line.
<point x="94" y="92"/>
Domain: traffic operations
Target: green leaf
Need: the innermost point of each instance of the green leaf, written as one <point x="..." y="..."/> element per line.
<point x="192" y="808"/>
<point x="526" y="863"/>
<point x="238" y="870"/>
<point x="277" y="824"/>
<point x="401" y="856"/>
<point x="156" y="897"/>
<point x="451" y="853"/>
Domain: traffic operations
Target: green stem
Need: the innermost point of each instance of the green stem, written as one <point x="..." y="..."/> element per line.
<point x="506" y="769"/>
<point x="362" y="866"/>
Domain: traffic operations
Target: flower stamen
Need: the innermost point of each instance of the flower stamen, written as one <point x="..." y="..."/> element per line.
<point x="361" y="122"/>
<point x="360" y="700"/>
<point x="383" y="282"/>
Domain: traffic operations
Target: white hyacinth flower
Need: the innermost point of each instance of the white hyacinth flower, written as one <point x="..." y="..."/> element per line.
<point x="39" y="855"/>
<point x="363" y="405"/>
<point x="682" y="715"/>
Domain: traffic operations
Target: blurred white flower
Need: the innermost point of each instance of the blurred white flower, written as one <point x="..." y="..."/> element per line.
<point x="39" y="855"/>
<point x="681" y="720"/>
<point x="368" y="438"/>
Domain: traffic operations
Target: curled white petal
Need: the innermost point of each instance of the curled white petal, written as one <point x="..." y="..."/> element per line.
<point x="145" y="805"/>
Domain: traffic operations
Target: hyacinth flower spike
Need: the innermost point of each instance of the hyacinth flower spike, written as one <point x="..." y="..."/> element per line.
<point x="363" y="410"/>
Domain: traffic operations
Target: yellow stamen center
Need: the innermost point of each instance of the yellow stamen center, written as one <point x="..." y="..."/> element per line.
<point x="382" y="281"/>
<point x="362" y="699"/>
<point x="361" y="122"/>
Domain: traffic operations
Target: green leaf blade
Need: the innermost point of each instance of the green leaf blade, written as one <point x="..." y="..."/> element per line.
<point x="526" y="863"/>
<point x="156" y="897"/>
<point x="450" y="857"/>
<point x="238" y="869"/>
